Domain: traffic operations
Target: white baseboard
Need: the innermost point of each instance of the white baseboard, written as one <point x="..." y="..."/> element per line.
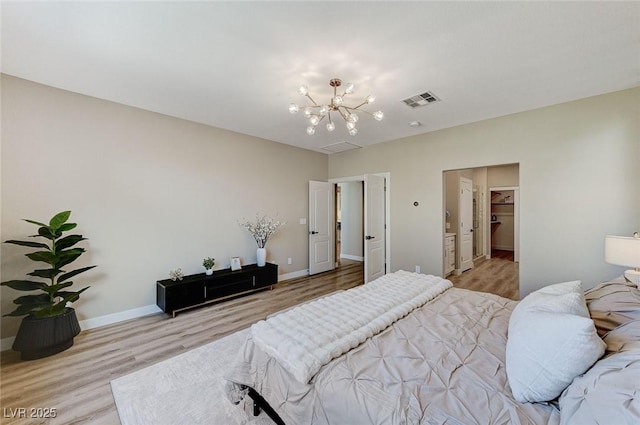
<point x="503" y="247"/>
<point x="6" y="343"/>
<point x="352" y="257"/>
<point x="109" y="319"/>
<point x="293" y="275"/>
<point x="96" y="322"/>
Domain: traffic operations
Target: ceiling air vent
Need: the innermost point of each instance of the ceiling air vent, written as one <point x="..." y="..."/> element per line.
<point x="421" y="99"/>
<point x="340" y="147"/>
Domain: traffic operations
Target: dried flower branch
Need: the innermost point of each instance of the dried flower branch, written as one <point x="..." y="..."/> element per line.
<point x="262" y="229"/>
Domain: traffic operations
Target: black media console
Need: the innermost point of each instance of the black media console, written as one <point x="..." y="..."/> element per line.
<point x="199" y="289"/>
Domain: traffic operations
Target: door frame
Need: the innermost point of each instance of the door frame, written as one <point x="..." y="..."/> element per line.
<point x="387" y="212"/>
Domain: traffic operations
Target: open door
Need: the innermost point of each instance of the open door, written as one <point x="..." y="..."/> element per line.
<point x="321" y="227"/>
<point x="465" y="205"/>
<point x="374" y="224"/>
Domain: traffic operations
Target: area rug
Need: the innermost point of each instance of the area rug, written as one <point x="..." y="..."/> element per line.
<point x="187" y="389"/>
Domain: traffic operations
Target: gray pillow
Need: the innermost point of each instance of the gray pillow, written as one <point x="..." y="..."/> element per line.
<point x="613" y="303"/>
<point x="608" y="392"/>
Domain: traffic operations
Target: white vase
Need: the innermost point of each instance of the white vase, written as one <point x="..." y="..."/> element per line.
<point x="261" y="255"/>
<point x="209" y="272"/>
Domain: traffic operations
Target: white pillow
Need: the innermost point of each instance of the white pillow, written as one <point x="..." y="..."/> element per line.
<point x="565" y="297"/>
<point x="551" y="340"/>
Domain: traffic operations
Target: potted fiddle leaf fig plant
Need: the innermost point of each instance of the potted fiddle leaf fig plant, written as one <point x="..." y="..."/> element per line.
<point x="49" y="325"/>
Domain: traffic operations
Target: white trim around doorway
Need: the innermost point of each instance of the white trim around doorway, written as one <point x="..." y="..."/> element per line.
<point x="387" y="177"/>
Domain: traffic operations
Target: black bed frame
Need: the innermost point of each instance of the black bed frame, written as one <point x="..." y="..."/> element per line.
<point x="260" y="403"/>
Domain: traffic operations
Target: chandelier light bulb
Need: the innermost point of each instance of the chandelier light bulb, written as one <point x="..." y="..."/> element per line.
<point x="371" y="99"/>
<point x="303" y="90"/>
<point x="314" y="120"/>
<point x="331" y="126"/>
<point x="353" y="118"/>
<point x="348" y="88"/>
<point x="307" y="112"/>
<point x="337" y="100"/>
<point x="311" y="130"/>
<point x="378" y="115"/>
<point x="353" y="131"/>
<point x="293" y="108"/>
<point x="324" y="109"/>
<point x="350" y="125"/>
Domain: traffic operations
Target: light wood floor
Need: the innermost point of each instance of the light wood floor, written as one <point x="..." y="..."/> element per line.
<point x="76" y="382"/>
<point x="497" y="275"/>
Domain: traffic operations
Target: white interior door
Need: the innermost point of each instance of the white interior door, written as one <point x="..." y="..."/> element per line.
<point x="465" y="205"/>
<point x="321" y="226"/>
<point x="374" y="224"/>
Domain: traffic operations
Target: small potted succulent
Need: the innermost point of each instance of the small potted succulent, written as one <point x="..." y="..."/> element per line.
<point x="208" y="264"/>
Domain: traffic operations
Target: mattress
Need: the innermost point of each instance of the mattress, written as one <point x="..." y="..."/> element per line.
<point x="443" y="363"/>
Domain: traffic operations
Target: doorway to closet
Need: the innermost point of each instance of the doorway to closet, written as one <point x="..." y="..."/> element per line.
<point x="504" y="222"/>
<point x="481" y="228"/>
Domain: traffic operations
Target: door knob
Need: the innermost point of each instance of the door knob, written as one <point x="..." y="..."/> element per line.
<point x="369" y="237"/>
<point x="313" y="232"/>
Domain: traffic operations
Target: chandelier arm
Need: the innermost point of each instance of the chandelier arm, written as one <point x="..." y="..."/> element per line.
<point x="342" y="113"/>
<point x="311" y="99"/>
<point x="321" y="117"/>
<point x="351" y="109"/>
<point x="366" y="112"/>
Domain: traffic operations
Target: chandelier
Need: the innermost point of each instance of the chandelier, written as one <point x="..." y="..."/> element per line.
<point x="315" y="113"/>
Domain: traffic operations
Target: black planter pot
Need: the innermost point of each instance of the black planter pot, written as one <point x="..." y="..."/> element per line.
<point x="44" y="337"/>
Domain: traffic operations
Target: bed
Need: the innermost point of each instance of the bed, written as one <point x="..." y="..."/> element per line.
<point x="454" y="356"/>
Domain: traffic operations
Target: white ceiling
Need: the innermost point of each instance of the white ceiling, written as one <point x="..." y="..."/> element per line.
<point x="238" y="65"/>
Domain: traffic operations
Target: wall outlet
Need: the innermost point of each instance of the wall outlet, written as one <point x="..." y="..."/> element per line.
<point x="448" y="226"/>
<point x="303" y="220"/>
<point x="417" y="269"/>
<point x="289" y="261"/>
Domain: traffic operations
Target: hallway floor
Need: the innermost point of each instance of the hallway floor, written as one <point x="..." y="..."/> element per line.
<point x="498" y="275"/>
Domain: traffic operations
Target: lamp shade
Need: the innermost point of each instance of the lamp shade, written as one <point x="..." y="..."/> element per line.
<point x="622" y="251"/>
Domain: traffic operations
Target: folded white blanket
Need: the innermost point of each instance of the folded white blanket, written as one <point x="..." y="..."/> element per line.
<point x="309" y="336"/>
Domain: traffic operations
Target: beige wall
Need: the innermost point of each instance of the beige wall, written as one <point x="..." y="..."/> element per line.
<point x="504" y="175"/>
<point x="578" y="177"/>
<point x="152" y="193"/>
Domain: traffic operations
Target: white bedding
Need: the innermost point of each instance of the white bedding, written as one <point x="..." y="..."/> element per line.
<point x="442" y="364"/>
<point x="307" y="337"/>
